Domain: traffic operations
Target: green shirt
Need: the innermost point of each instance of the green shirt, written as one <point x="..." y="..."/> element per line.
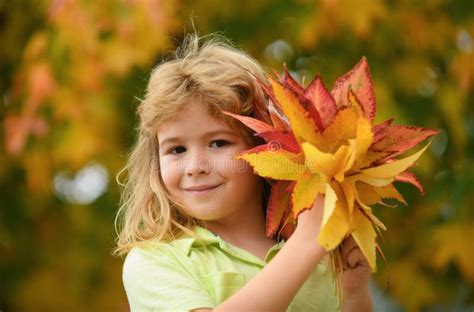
<point x="190" y="273"/>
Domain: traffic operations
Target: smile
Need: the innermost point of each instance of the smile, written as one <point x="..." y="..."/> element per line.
<point x="202" y="190"/>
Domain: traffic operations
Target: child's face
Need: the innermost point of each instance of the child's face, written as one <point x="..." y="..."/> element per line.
<point x="196" y="153"/>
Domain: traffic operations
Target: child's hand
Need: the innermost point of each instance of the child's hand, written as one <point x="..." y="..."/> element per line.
<point x="356" y="273"/>
<point x="309" y="225"/>
<point x="309" y="221"/>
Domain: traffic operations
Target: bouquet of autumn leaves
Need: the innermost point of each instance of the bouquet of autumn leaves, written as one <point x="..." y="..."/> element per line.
<point x="321" y="142"/>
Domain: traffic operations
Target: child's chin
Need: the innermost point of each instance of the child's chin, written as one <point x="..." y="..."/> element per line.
<point x="209" y="217"/>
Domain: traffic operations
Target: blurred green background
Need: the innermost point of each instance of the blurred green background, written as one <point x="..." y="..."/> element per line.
<point x="72" y="74"/>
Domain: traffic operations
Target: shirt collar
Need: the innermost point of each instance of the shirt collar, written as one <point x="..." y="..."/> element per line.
<point x="203" y="237"/>
<point x="206" y="237"/>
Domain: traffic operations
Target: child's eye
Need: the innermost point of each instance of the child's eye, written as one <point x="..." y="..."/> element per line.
<point x="176" y="150"/>
<point x="219" y="143"/>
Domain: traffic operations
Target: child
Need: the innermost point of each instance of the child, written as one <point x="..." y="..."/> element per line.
<point x="193" y="216"/>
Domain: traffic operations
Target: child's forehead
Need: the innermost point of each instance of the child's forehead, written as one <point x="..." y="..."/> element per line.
<point x="196" y="118"/>
<point x="197" y="113"/>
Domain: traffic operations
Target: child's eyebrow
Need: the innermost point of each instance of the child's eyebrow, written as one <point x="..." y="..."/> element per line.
<point x="217" y="132"/>
<point x="205" y="135"/>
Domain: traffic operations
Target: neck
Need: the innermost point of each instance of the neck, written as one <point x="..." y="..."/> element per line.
<point x="243" y="231"/>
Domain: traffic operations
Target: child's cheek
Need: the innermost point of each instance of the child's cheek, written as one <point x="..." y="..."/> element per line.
<point x="169" y="174"/>
<point x="230" y="165"/>
<point x="243" y="167"/>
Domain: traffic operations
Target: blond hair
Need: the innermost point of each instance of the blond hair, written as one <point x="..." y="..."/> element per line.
<point x="207" y="71"/>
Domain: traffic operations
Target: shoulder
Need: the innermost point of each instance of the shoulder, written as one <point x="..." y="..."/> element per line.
<point x="165" y="256"/>
<point x="157" y="276"/>
<point x="155" y="257"/>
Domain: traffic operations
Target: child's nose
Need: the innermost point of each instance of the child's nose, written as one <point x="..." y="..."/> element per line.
<point x="197" y="164"/>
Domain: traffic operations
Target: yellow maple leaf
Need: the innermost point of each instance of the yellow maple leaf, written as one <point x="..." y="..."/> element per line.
<point x="334" y="149"/>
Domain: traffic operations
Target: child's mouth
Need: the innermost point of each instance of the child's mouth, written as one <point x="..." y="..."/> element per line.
<point x="202" y="190"/>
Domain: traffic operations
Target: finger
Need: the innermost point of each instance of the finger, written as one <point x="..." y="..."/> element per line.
<point x="347" y="246"/>
<point x="356" y="258"/>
